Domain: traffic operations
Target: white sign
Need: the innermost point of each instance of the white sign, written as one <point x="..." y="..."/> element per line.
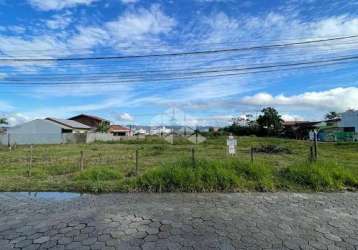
<point x="231" y="143"/>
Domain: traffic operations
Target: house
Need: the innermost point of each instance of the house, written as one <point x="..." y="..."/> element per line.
<point x="44" y="131"/>
<point x="118" y="130"/>
<point x="299" y="129"/>
<point x="349" y="121"/>
<point x="161" y="131"/>
<point x="141" y="131"/>
<point x="73" y="126"/>
<point x="92" y="121"/>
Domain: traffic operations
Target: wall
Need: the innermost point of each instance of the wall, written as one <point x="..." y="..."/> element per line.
<point x="92" y="137"/>
<point x="87" y="121"/>
<point x="34" y="132"/>
<point x="74" y="138"/>
<point x="349" y="119"/>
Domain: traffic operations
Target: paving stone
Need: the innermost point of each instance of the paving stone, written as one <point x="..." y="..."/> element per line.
<point x="41" y="240"/>
<point x="182" y="221"/>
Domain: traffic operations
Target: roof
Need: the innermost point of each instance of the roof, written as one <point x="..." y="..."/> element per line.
<point x="338" y="119"/>
<point x="68" y="123"/>
<point x="297" y="123"/>
<point x="118" y="128"/>
<point x="89" y="116"/>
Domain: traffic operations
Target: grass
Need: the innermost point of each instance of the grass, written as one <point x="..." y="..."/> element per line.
<point x="319" y="176"/>
<point x="280" y="164"/>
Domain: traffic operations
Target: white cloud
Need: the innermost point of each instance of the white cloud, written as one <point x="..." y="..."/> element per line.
<point x="141" y="27"/>
<point x="125" y="117"/>
<point x="5" y="107"/>
<point x="59" y="21"/>
<point x="16" y="29"/>
<point x="81" y="90"/>
<point x="17" y="118"/>
<point x="70" y="110"/>
<point x="129" y="1"/>
<point x="337" y="99"/>
<point x="135" y="30"/>
<point x="38" y="46"/>
<point x="47" y="5"/>
<point x="89" y="37"/>
<point x="290" y="117"/>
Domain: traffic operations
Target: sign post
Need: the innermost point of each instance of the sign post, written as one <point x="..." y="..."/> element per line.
<point x="231" y="144"/>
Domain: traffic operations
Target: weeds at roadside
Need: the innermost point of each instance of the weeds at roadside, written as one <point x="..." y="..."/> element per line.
<point x="319" y="176"/>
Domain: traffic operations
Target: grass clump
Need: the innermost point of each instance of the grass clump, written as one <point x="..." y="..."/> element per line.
<point x="205" y="176"/>
<point x="258" y="175"/>
<point x="319" y="176"/>
<point x="272" y="149"/>
<point x="99" y="174"/>
<point x="98" y="179"/>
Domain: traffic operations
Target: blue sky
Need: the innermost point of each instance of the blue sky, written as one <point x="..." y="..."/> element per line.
<point x="89" y="28"/>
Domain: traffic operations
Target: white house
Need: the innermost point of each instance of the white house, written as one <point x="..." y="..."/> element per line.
<point x="349" y="121"/>
<point x="160" y="131"/>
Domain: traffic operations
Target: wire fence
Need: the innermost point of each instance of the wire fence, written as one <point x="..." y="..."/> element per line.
<point x="134" y="159"/>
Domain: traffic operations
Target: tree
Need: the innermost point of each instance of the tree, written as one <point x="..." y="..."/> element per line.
<point x="270" y="120"/>
<point x="103" y="127"/>
<point x="331" y="115"/>
<point x="3" y="121"/>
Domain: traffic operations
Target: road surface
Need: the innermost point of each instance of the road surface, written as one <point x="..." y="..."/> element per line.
<point x="180" y="221"/>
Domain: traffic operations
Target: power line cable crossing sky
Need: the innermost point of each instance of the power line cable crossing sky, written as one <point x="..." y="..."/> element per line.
<point x="114" y="57"/>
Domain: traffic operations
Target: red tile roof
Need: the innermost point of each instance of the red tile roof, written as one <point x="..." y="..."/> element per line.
<point x="89" y="116"/>
<point x="118" y="128"/>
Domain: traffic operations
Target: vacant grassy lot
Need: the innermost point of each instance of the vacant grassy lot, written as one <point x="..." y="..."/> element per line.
<point x="165" y="167"/>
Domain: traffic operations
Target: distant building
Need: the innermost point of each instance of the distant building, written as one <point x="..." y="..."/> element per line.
<point x="349" y="121"/>
<point x="43" y="131"/>
<point x="299" y="129"/>
<point x="141" y="131"/>
<point x="160" y="131"/>
<point x="73" y="126"/>
<point x="92" y="121"/>
<point x="118" y="130"/>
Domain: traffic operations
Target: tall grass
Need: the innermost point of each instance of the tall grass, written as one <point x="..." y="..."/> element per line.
<point x="206" y="176"/>
<point x="319" y="176"/>
<point x="98" y="179"/>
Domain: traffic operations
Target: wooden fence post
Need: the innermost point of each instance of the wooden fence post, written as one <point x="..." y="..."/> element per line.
<point x="193" y="156"/>
<point x="315" y="147"/>
<point x="82" y="161"/>
<point x="311" y="154"/>
<point x="30" y="162"/>
<point x="252" y="155"/>
<point x="136" y="161"/>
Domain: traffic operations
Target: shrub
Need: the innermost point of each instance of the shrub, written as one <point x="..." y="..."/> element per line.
<point x="99" y="174"/>
<point x="183" y="176"/>
<point x="319" y="175"/>
<point x="205" y="176"/>
<point x="260" y="175"/>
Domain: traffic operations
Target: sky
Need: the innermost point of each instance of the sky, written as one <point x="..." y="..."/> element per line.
<point x="143" y="90"/>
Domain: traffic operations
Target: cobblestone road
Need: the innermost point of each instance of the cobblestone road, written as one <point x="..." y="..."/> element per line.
<point x="181" y="221"/>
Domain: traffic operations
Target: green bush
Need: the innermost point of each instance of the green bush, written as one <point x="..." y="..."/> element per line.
<point x="205" y="176"/>
<point x="96" y="174"/>
<point x="319" y="176"/>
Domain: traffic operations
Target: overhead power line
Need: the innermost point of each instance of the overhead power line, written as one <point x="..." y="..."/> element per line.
<point x="177" y="46"/>
<point x="205" y="74"/>
<point x="175" y="54"/>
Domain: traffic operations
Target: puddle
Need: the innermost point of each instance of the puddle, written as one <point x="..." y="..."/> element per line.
<point x="52" y="196"/>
